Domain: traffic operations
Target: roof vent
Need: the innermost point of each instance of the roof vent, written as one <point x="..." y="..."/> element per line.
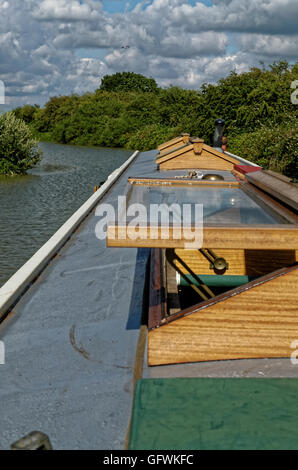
<point x="218" y="133"/>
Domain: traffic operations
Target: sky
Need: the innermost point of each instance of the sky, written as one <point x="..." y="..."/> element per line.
<point x="56" y="47"/>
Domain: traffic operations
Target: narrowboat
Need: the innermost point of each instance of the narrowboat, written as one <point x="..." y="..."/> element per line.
<point x="163" y="314"/>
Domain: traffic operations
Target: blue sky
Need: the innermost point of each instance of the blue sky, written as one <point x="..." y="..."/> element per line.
<point x="54" y="47"/>
<point x="117" y="6"/>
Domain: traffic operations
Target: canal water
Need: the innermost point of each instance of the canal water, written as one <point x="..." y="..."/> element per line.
<point x="34" y="206"/>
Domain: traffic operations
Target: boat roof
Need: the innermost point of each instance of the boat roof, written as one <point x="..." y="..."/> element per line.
<point x="71" y="340"/>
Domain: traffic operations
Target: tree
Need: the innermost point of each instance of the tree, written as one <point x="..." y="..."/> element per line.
<point x="128" y="81"/>
<point x="130" y="110"/>
<point x="18" y="150"/>
<point x="26" y="113"/>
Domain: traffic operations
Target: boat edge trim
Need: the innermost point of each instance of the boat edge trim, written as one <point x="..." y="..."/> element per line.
<point x="18" y="282"/>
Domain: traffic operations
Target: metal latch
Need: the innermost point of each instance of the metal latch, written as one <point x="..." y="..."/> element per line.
<point x="218" y="264"/>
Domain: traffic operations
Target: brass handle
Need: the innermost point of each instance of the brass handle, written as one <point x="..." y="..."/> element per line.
<point x="217" y="263"/>
<point x="220" y="264"/>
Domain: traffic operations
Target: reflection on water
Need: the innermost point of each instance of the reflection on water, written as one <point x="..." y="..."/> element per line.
<point x="33" y="207"/>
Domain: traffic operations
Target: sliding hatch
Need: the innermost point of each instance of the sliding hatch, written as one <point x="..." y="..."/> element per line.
<point x="224" y="255"/>
<point x="169" y="213"/>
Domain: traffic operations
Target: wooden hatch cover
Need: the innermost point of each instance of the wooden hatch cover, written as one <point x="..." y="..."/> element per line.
<point x="236" y="216"/>
<point x="256" y="320"/>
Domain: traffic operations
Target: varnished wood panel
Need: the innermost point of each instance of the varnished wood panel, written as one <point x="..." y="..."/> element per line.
<point x="177" y="153"/>
<point x="284" y="191"/>
<point x="277" y="237"/>
<point x="241" y="262"/>
<point x="179" y="147"/>
<point x="204" y="161"/>
<point x="217" y="153"/>
<point x="258" y="263"/>
<point x="197" y="156"/>
<point x="258" y="322"/>
<point x="281" y="177"/>
<point x="181" y="182"/>
<point x="200" y="265"/>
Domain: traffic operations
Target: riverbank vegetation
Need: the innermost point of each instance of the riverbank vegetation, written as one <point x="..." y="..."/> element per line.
<point x="19" y="151"/>
<point x="129" y="110"/>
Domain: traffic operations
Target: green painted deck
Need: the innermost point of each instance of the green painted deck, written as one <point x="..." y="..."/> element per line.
<point x="206" y="413"/>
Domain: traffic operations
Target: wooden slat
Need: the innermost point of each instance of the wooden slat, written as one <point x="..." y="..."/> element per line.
<point x="180" y="152"/>
<point x="171" y="143"/>
<point x="180" y="182"/>
<point x="284" y="191"/>
<point x="284" y="178"/>
<point x="169" y="150"/>
<point x="222" y="155"/>
<point x="259" y="321"/>
<point x="277" y="237"/>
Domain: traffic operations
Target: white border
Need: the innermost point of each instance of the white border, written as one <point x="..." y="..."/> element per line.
<point x="241" y="159"/>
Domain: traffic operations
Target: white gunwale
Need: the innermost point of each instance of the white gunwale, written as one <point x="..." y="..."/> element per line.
<point x="17" y="284"/>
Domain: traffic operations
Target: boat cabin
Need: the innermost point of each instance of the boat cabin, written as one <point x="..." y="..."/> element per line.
<point x="223" y="235"/>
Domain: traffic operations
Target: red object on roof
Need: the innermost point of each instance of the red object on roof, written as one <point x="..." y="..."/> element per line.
<point x="246" y="168"/>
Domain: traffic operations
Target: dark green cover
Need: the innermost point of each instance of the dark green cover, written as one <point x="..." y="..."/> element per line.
<point x="204" y="413"/>
<point x="212" y="280"/>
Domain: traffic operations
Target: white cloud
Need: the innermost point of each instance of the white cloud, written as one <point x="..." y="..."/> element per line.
<point x="276" y="46"/>
<point x="263" y="16"/>
<point x="171" y="40"/>
<point x="67" y="10"/>
<point x="191" y="45"/>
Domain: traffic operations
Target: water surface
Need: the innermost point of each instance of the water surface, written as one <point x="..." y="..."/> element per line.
<point x="34" y="206"/>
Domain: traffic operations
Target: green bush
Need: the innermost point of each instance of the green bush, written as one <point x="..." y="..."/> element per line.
<point x="274" y="148"/>
<point x="129" y="81"/>
<point x="18" y="149"/>
<point x="129" y="110"/>
<point x="27" y="112"/>
<point x="149" y="137"/>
